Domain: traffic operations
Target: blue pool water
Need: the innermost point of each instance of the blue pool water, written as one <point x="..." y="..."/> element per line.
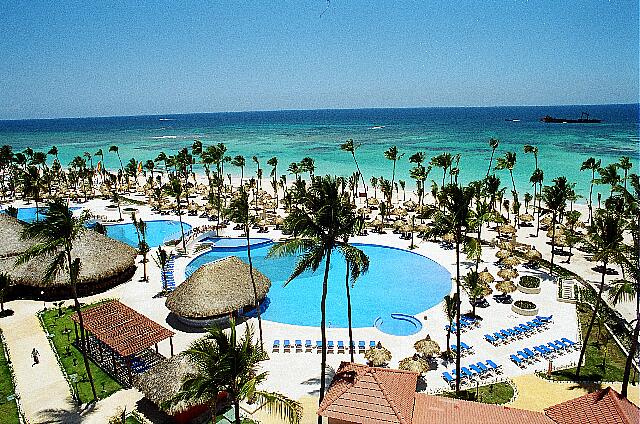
<point x="158" y="232"/>
<point x="398" y="324"/>
<point x="235" y="243"/>
<point x="29" y="214"/>
<point x="398" y="281"/>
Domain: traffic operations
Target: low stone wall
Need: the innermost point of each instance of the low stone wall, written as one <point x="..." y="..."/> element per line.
<point x="529" y="290"/>
<point x="525" y="312"/>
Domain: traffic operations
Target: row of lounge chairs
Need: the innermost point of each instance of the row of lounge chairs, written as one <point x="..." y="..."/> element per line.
<point x="551" y="350"/>
<point x="466" y="323"/>
<point x="308" y="346"/>
<point x="465" y="349"/>
<point x="478" y="370"/>
<point x="508" y="335"/>
<point x="168" y="273"/>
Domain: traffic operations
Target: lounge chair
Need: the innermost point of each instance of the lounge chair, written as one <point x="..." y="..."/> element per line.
<point x="361" y="346"/>
<point x="319" y="346"/>
<point x="466" y="346"/>
<point x="372" y="343"/>
<point x="517" y="361"/>
<point x="494" y="366"/>
<point x="308" y="346"/>
<point x="340" y="346"/>
<point x="531" y="354"/>
<point x="330" y="346"/>
<point x="569" y="342"/>
<point x="447" y="377"/>
<point x="483" y="367"/>
<point x="466" y="372"/>
<point x="287" y="346"/>
<point x="490" y="339"/>
<point x="477" y="370"/>
<point x="298" y="344"/>
<point x="540" y="351"/>
<point x="545" y="319"/>
<point x="276" y="345"/>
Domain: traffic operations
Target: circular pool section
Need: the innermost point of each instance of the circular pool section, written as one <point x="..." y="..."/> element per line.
<point x="235" y="243"/>
<point x="399" y="282"/>
<point x="398" y="324"/>
<point x="158" y="232"/>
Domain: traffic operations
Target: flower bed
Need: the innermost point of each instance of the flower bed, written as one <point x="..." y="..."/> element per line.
<point x="529" y="284"/>
<point x="524" y="307"/>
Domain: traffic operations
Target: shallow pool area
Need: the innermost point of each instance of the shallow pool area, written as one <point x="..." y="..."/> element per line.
<point x="235" y="243"/>
<point x="29" y="214"/>
<point x="158" y="232"/>
<point x="399" y="283"/>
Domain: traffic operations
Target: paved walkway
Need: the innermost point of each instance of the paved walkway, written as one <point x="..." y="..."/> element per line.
<point x="530" y="387"/>
<point x="44" y="393"/>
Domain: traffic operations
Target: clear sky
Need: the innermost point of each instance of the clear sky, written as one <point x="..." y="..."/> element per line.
<point x="67" y="58"/>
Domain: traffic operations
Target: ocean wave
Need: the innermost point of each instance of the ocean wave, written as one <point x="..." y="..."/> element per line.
<point x="165" y="136"/>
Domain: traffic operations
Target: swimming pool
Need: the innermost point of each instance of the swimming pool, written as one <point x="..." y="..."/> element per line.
<point x="158" y="232"/>
<point x="235" y="243"/>
<point x="398" y="282"/>
<point x="29" y="214"/>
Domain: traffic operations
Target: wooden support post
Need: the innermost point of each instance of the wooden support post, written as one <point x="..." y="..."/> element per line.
<point x="157" y="351"/>
<point x="171" y="344"/>
<point x="129" y="370"/>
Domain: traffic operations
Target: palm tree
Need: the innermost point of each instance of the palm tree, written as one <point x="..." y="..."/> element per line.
<point x="349" y="146"/>
<point x="240" y="162"/>
<point x="455" y="219"/>
<point x="239" y="213"/>
<point x="444" y="161"/>
<point x="143" y="247"/>
<point x="537" y="177"/>
<point x="555" y="200"/>
<point x="258" y="173"/>
<point x="450" y="307"/>
<point x="114" y="149"/>
<point x="54" y="238"/>
<point x="493" y="143"/>
<point x="393" y="155"/>
<point x="609" y="175"/>
<point x="162" y="259"/>
<point x="420" y="174"/>
<point x="593" y="165"/>
<point x="174" y="188"/>
<point x="322" y="217"/>
<point x="625" y="164"/>
<point x="307" y="164"/>
<point x="374" y="184"/>
<point x="508" y="162"/>
<point x="357" y="264"/>
<point x="474" y="288"/>
<point x="605" y="238"/>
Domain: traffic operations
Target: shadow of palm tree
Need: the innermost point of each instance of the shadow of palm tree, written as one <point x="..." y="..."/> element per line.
<point x="68" y="415"/>
<point x="315" y="381"/>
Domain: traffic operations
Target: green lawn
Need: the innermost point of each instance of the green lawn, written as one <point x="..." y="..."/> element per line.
<point x="132" y="420"/>
<point x="498" y="393"/>
<point x="592" y="370"/>
<point x="8" y="409"/>
<point x="71" y="357"/>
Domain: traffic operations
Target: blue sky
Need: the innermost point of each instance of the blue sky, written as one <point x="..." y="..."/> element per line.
<point x="83" y="59"/>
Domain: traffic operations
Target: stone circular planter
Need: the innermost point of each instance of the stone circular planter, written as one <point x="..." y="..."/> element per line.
<point x="525" y="312"/>
<point x="529" y="290"/>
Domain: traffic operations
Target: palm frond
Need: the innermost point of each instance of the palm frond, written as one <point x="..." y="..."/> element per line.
<point x="280" y="405"/>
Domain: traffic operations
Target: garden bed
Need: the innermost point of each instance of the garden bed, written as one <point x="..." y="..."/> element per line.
<point x="524" y="307"/>
<point x="529" y="284"/>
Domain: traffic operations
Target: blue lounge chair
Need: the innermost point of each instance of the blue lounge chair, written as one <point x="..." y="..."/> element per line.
<point x="490" y="339"/>
<point x="318" y="345"/>
<point x="505" y="334"/>
<point x="558" y="345"/>
<point x="528" y="351"/>
<point x="539" y="351"/>
<point x="523" y="355"/>
<point x="372" y="343"/>
<point x="545" y="319"/>
<point x="330" y="346"/>
<point x="276" y="345"/>
<point x="447" y="377"/>
<point x="466" y="372"/>
<point x="298" y="344"/>
<point x="287" y="345"/>
<point x="524" y="327"/>
<point x="465" y="346"/>
<point x="361" y="346"/>
<point x="307" y="345"/>
<point x="516" y="360"/>
<point x="533" y="325"/>
<point x="569" y="342"/>
<point x="493" y="365"/>
<point x="482" y="366"/>
<point x="352" y="346"/>
<point x="552" y="347"/>
<point x="475" y="369"/>
<point x="340" y="346"/>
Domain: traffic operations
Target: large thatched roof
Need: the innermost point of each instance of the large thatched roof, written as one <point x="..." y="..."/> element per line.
<point x="217" y="288"/>
<point x="101" y="258"/>
<point x="164" y="381"/>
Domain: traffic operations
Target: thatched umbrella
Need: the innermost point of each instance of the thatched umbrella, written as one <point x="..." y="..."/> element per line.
<point x="164" y="381"/>
<point x="485" y="277"/>
<point x="376" y="223"/>
<point x="546" y="221"/>
<point x="506" y="245"/>
<point x="448" y="238"/>
<point x="511" y="261"/>
<point x="415" y="364"/>
<point x="506" y="229"/>
<point x="372" y="201"/>
<point x="427" y="346"/>
<point x="533" y="255"/>
<point x="410" y="205"/>
<point x="486" y="290"/>
<point x="216" y="289"/>
<point x="400" y="212"/>
<point x="526" y="217"/>
<point x="378" y="355"/>
<point x="507" y="273"/>
<point x="502" y="254"/>
<point x="506" y="287"/>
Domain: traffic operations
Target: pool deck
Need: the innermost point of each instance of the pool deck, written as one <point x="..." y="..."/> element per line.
<point x="297" y="374"/>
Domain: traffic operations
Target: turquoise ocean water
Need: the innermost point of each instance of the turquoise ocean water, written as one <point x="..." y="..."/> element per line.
<point x="292" y="135"/>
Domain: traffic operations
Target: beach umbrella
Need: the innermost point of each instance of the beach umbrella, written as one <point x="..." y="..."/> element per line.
<point x="507" y="273"/>
<point x="485" y="277"/>
<point x="511" y="261"/>
<point x="371" y="201"/>
<point x="501" y="254"/>
<point x="414" y="364"/>
<point x="427" y="346"/>
<point x="506" y="245"/>
<point x="506" y="287"/>
<point x="400" y="212"/>
<point x="486" y="290"/>
<point x="448" y="238"/>
<point x="376" y="223"/>
<point x="533" y="254"/>
<point x="410" y="205"/>
<point x="378" y="355"/>
<point x="526" y="217"/>
<point x="506" y="229"/>
<point x="545" y="221"/>
<point x="422" y="228"/>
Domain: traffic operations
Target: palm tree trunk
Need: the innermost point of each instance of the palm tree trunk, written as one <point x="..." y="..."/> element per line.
<point x="253" y="284"/>
<point x="632" y="349"/>
<point x="346" y="283"/>
<point x="83" y="345"/>
<point x="553" y="242"/>
<point x="593" y="176"/>
<point x="323" y="329"/>
<point x="236" y="405"/>
<point x="490" y="162"/>
<point x="458" y="312"/>
<point x="184" y="243"/>
<point x="585" y="340"/>
<point x="449" y="338"/>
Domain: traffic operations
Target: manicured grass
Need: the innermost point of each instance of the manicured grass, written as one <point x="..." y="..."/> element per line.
<point x="592" y="370"/>
<point x="498" y="393"/>
<point x="8" y="409"/>
<point x="71" y="358"/>
<point x="132" y="420"/>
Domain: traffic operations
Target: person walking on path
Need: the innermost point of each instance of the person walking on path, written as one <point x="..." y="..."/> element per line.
<point x="36" y="356"/>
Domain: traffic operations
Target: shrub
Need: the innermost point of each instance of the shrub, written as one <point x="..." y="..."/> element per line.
<point x="530" y="281"/>
<point x="524" y="304"/>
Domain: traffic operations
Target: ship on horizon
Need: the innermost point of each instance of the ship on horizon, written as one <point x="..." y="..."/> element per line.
<point x="584" y="119"/>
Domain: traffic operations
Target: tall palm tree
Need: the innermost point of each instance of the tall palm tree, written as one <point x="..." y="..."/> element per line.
<point x="174" y="188"/>
<point x="450" y="307"/>
<point x="455" y="219"/>
<point x="321" y="218"/>
<point x="351" y="147"/>
<point x="474" y="288"/>
<point x="239" y="212"/>
<point x="374" y="184"/>
<point x="55" y="236"/>
<point x="393" y="155"/>
<point x="357" y="264"/>
<point x="625" y="164"/>
<point x="593" y="165"/>
<point x="258" y="173"/>
<point x="493" y="143"/>
<point x="444" y="161"/>
<point x="537" y="177"/>
<point x="555" y="200"/>
<point x="240" y="162"/>
<point x="162" y="260"/>
<point x="116" y="150"/>
<point x="605" y="238"/>
<point x="508" y="162"/>
<point x="307" y="164"/>
<point x="143" y="247"/>
<point x="609" y="175"/>
<point x="420" y="174"/>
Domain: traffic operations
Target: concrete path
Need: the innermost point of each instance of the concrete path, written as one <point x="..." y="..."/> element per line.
<point x="44" y="393"/>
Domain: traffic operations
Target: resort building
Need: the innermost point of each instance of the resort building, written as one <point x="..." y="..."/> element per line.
<point x="360" y="394"/>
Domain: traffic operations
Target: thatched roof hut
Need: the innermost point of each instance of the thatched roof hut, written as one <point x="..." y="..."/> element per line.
<point x="217" y="289"/>
<point x="163" y="382"/>
<point x="104" y="262"/>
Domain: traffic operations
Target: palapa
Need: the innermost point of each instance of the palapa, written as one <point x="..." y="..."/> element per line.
<point x="507" y="273"/>
<point x="511" y="261"/>
<point x="378" y="356"/>
<point x="427" y="346"/>
<point x="526" y="217"/>
<point x="507" y="229"/>
<point x="485" y="277"/>
<point x="502" y="254"/>
<point x="506" y="287"/>
<point x="372" y="201"/>
<point x="418" y="365"/>
<point x="533" y="254"/>
<point x="216" y="289"/>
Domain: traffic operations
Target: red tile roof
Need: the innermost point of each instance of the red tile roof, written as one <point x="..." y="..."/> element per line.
<point x="367" y="395"/>
<point x="604" y="406"/>
<point x="435" y="409"/>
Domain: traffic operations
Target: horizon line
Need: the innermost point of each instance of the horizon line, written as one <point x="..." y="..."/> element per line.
<point x="308" y="110"/>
